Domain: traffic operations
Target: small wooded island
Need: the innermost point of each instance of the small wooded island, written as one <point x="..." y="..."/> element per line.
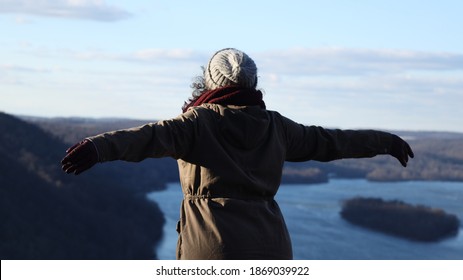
<point x="397" y="218"/>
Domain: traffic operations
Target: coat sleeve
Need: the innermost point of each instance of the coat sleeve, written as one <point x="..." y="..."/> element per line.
<point x="168" y="138"/>
<point x="320" y="144"/>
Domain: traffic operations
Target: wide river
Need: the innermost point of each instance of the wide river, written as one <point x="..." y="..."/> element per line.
<point x="318" y="231"/>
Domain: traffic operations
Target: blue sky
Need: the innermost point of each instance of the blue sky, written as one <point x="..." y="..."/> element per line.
<point x="346" y="64"/>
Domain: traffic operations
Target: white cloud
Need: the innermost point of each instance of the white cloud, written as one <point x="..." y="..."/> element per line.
<point x="19" y="68"/>
<point x="97" y="10"/>
<point x="19" y="74"/>
<point x="152" y="55"/>
<point x="295" y="63"/>
<point x="350" y="61"/>
<point x="361" y="73"/>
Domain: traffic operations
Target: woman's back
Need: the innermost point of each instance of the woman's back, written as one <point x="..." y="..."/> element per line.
<point x="229" y="179"/>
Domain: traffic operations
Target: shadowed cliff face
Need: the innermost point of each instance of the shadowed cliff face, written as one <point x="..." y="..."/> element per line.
<point x="418" y="223"/>
<point x="46" y="214"/>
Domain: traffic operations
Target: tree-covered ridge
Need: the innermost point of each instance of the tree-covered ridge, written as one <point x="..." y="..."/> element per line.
<point x="46" y="214"/>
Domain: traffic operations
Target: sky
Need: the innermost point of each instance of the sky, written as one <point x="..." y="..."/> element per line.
<point x="393" y="65"/>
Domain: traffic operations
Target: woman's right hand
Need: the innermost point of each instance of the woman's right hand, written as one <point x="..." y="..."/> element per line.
<point x="80" y="157"/>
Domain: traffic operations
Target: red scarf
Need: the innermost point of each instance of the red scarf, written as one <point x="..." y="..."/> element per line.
<point x="230" y="95"/>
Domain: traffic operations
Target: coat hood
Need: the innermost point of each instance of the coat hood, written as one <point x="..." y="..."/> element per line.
<point x="243" y="127"/>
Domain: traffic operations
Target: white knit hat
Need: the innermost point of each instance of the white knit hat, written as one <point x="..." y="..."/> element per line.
<point x="230" y="67"/>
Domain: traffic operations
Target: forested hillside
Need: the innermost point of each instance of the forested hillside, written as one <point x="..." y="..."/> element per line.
<point x="46" y="214"/>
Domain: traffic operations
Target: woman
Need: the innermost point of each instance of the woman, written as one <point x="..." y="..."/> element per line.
<point x="230" y="151"/>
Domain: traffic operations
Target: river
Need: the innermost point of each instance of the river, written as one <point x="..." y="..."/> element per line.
<point x="318" y="232"/>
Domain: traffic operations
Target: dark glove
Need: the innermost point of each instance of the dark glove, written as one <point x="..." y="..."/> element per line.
<point x="401" y="150"/>
<point x="80" y="157"/>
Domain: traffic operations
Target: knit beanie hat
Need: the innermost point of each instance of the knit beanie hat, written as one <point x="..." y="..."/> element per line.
<point x="230" y="67"/>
